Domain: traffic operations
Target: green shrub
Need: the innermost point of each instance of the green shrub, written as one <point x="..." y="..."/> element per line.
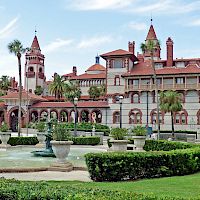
<point x="19" y="190"/>
<point x="117" y="166"/>
<point x="91" y="140"/>
<point x="60" y="132"/>
<point x="4" y="127"/>
<point x="13" y="141"/>
<point x="139" y="131"/>
<point x="118" y="133"/>
<point x="40" y="126"/>
<point x="163" y="145"/>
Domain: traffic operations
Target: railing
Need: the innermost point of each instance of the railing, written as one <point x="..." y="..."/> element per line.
<point x="162" y="87"/>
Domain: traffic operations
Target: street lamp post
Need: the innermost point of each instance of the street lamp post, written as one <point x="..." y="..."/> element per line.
<point x="75" y="116"/>
<point x="120" y="103"/>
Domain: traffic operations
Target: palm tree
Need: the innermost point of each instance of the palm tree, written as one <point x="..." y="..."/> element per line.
<point x="170" y="101"/>
<point x="4" y="83"/>
<point x="94" y="92"/>
<point x="57" y="87"/>
<point x="150" y="47"/>
<point x="17" y="48"/>
<point x="71" y="91"/>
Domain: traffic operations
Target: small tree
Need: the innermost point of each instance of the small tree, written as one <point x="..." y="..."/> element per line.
<point x="170" y="101"/>
<point x="38" y="90"/>
<point x="94" y="92"/>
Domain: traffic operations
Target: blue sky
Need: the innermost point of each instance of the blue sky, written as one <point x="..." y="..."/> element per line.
<point x="72" y="32"/>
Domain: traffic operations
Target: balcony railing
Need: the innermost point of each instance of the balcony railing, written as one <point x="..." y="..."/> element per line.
<point x="162" y="87"/>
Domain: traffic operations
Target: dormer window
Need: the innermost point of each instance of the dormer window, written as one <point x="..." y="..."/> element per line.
<point x="118" y="63"/>
<point x="180" y="64"/>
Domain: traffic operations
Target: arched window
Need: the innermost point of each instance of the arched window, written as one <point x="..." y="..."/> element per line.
<point x="135" y="98"/>
<point x="40" y="69"/>
<point x="153" y="115"/>
<point x="135" y="116"/>
<point x="30" y="69"/>
<point x="181" y="117"/>
<point x="116" y="117"/>
<point x="117" y="80"/>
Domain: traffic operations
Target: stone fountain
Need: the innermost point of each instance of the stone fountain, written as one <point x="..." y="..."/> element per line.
<point x="48" y="151"/>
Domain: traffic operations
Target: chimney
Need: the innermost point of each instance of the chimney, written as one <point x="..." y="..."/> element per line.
<point x="131" y="47"/>
<point x="169" y="44"/>
<point x="74" y="70"/>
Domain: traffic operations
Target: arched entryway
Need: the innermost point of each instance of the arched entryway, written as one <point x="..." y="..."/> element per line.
<point x="13" y="119"/>
<point x="34" y="116"/>
<point x="96" y="116"/>
<point x="84" y="116"/>
<point x="43" y="116"/>
<point x="2" y="119"/>
<point x="63" y="116"/>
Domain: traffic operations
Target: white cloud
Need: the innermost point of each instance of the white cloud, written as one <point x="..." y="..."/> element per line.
<point x="136" y="6"/>
<point x="194" y="23"/>
<point x="94" y="41"/>
<point x="6" y="31"/>
<point x="99" y="4"/>
<point x="138" y="26"/>
<point x="57" y="44"/>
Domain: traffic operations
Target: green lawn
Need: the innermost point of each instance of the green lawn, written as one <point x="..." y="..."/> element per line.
<point x="179" y="186"/>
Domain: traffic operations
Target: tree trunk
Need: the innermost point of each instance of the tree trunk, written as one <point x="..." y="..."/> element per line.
<point x="20" y="94"/>
<point x="172" y="120"/>
<point x="156" y="94"/>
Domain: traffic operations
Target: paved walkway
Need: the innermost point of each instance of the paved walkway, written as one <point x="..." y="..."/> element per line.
<point x="49" y="175"/>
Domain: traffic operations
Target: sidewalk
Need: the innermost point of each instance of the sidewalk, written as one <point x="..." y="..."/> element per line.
<point x="49" y="175"/>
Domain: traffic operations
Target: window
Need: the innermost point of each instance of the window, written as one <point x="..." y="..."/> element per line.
<point x="118" y="63"/>
<point x="136" y="82"/>
<point x="181" y="117"/>
<point x="136" y="98"/>
<point x="116" y="117"/>
<point x="117" y="80"/>
<point x="40" y="70"/>
<point x="177" y="119"/>
<point x="135" y="116"/>
<point x="154" y="117"/>
<point x="180" y="80"/>
<point x="30" y="69"/>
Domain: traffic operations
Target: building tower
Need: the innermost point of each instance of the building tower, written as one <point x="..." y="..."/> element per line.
<point x="34" y="67"/>
<point x="151" y="36"/>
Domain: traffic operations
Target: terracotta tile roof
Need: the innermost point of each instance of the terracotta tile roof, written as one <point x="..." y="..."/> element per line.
<point x="118" y="52"/>
<point x="96" y="67"/>
<point x="151" y="34"/>
<point x="15" y="95"/>
<point x="69" y="75"/>
<point x="84" y="104"/>
<point x="89" y="76"/>
<point x="35" y="43"/>
<point x="145" y="68"/>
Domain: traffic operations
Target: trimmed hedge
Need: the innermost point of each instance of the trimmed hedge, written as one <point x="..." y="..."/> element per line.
<point x="13" y="141"/>
<point x="118" y="166"/>
<point x="19" y="190"/>
<point x="89" y="140"/>
<point x="163" y="145"/>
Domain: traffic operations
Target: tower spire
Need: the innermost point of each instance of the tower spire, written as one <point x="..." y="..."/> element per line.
<point x="35" y="31"/>
<point x="151" y="19"/>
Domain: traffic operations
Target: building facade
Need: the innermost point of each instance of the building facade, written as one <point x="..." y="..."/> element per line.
<point x="126" y="74"/>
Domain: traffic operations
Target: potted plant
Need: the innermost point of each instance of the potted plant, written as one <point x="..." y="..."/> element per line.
<point x="139" y="136"/>
<point x="61" y="146"/>
<point x="118" y="143"/>
<point x="5" y="135"/>
<point x="41" y="134"/>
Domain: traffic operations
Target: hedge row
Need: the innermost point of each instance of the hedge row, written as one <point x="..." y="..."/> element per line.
<point x="89" y="140"/>
<point x="163" y="145"/>
<point x="115" y="166"/>
<point x="14" y="141"/>
<point x="19" y="190"/>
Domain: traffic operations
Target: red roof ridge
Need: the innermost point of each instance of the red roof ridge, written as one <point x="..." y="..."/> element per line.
<point x="35" y="43"/>
<point x="151" y="34"/>
<point x="117" y="52"/>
